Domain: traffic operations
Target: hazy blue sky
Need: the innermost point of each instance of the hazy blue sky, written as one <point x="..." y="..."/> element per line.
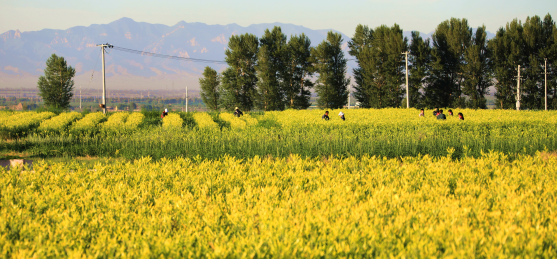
<point x="341" y="15"/>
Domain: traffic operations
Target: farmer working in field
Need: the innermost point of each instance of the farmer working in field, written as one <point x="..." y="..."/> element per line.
<point x="436" y="111"/>
<point x="164" y="113"/>
<point x="341" y="115"/>
<point x="326" y="115"/>
<point x="237" y="112"/>
<point x="441" y="116"/>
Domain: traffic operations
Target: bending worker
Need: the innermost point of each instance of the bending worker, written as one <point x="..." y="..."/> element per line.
<point x="326" y="115"/>
<point x="237" y="112"/>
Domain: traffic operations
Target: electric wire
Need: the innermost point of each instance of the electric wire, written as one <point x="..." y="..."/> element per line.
<point x="91" y="79"/>
<point x="151" y="54"/>
<point x="94" y="69"/>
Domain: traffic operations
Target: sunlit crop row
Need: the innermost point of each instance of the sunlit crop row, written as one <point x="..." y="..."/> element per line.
<point x="23" y="123"/>
<point x="114" y="123"/>
<point x="366" y="207"/>
<point x="395" y="116"/>
<point x="59" y="123"/>
<point x="87" y="124"/>
<point x="5" y="115"/>
<point x="204" y="120"/>
<point x="172" y="120"/>
<point x="250" y="121"/>
<point x="134" y="121"/>
<point x="235" y="122"/>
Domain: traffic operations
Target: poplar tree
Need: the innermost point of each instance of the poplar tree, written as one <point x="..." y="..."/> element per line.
<point x="271" y="69"/>
<point x="210" y="88"/>
<point x="450" y="41"/>
<point x="330" y="64"/>
<point x="361" y="40"/>
<point x="550" y="52"/>
<point x="239" y="79"/>
<point x="506" y="49"/>
<point x="538" y="45"/>
<point x="299" y="69"/>
<point x="477" y="70"/>
<point x="56" y="86"/>
<point x="527" y="45"/>
<point x="419" y="66"/>
<point x="381" y="74"/>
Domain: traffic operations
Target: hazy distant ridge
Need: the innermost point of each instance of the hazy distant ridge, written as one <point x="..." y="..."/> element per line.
<point x="23" y="54"/>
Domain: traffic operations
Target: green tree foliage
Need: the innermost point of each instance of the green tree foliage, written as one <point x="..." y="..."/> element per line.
<point x="239" y="79"/>
<point x="477" y="70"/>
<point x="527" y="45"/>
<point x="419" y="61"/>
<point x="538" y="45"/>
<point x="506" y="50"/>
<point x="361" y="40"/>
<point x="381" y="74"/>
<point x="550" y="52"/>
<point x="56" y="86"/>
<point x="299" y="69"/>
<point x="330" y="64"/>
<point x="272" y="60"/>
<point x="210" y="88"/>
<point x="450" y="41"/>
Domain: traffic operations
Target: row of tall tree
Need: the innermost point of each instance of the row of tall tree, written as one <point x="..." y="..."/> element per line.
<point x="455" y="68"/>
<point x="273" y="73"/>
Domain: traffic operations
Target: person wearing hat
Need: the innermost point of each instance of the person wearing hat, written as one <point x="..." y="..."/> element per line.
<point x="341" y="116"/>
<point x="237" y="112"/>
<point x="164" y="113"/>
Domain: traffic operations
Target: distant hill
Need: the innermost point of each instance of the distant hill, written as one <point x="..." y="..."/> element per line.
<point x="23" y="54"/>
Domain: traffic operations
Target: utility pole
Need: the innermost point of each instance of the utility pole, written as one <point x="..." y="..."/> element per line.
<point x="349" y="92"/>
<point x="186" y="99"/>
<point x="79" y="97"/>
<point x="104" y="81"/>
<point x="518" y="90"/>
<point x="545" y="72"/>
<point x="407" y="91"/>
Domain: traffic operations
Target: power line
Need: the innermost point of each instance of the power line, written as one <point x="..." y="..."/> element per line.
<point x="146" y="53"/>
<point x="94" y="70"/>
<point x="151" y="54"/>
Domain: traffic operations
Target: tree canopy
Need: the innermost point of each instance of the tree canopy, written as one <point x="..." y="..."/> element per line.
<point x="454" y="68"/>
<point x="210" y="88"/>
<point x="56" y="85"/>
<point x="331" y="85"/>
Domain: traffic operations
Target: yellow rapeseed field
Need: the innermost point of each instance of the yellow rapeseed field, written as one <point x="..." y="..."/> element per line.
<point x="204" y="120"/>
<point x="17" y="124"/>
<point x="88" y="124"/>
<point x="365" y="207"/>
<point x="235" y="122"/>
<point x="282" y="185"/>
<point x="172" y="120"/>
<point x="59" y="123"/>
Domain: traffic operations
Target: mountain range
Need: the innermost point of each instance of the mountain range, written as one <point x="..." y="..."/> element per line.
<point x="23" y="54"/>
